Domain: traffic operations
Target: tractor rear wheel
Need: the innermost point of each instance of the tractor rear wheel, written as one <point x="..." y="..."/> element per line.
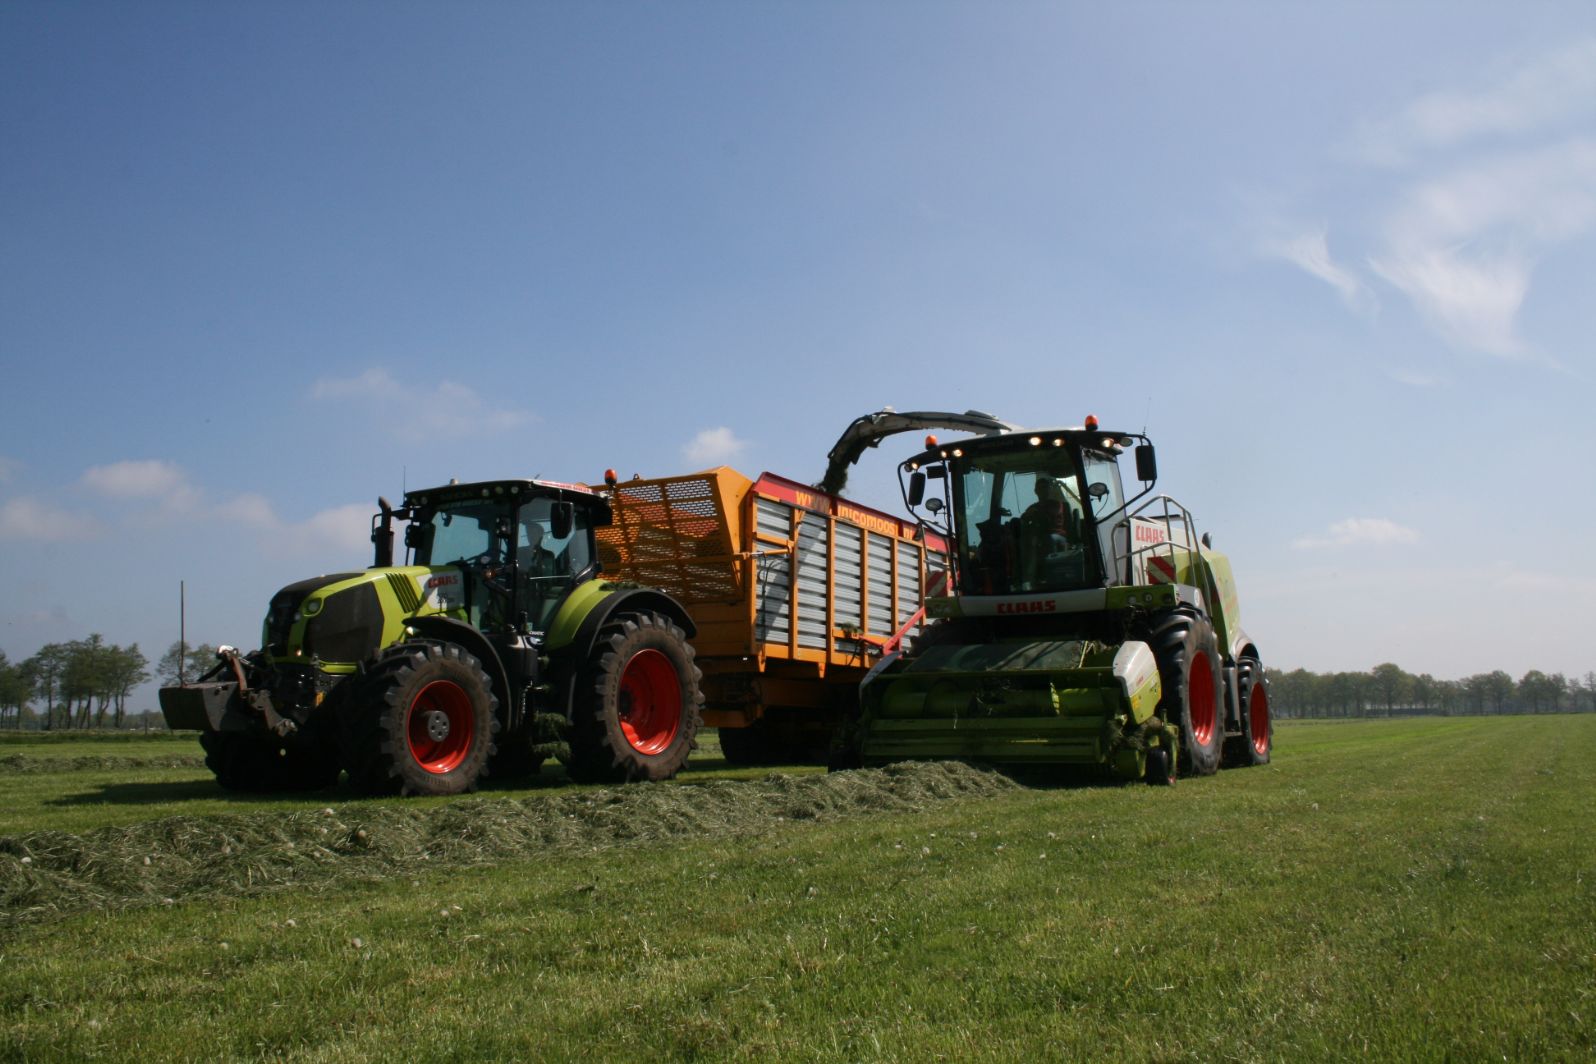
<point x="638" y="702"/>
<point x="256" y="764"/>
<point x="1188" y="666"/>
<point x="1257" y="739"/>
<point x="420" y="722"/>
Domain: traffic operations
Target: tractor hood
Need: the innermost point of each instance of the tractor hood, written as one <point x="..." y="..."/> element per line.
<point x="343" y="618"/>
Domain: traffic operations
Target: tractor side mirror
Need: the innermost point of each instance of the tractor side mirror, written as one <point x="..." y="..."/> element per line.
<point x="916" y="488"/>
<point x="562" y="518"/>
<point x="1146" y="464"/>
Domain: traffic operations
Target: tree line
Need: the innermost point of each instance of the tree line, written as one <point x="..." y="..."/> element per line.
<point x="86" y="683"/>
<point x="1388" y="689"/>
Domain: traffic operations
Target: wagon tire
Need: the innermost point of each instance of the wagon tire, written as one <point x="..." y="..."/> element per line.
<point x="257" y="764"/>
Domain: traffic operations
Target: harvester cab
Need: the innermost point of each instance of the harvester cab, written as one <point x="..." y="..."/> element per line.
<point x="495" y="641"/>
<point x="1088" y="624"/>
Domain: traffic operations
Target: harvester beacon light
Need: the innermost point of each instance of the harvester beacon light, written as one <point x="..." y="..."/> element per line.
<point x="610" y="478"/>
<point x="930" y="442"/>
<point x="1091" y="422"/>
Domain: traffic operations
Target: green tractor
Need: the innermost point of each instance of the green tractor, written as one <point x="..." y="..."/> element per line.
<point x="497" y="645"/>
<point x="1085" y="628"/>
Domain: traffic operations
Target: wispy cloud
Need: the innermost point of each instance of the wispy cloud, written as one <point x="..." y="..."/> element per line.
<point x="1415" y="379"/>
<point x="9" y="467"/>
<point x="1359" y="531"/>
<point x="25" y="518"/>
<point x="1541" y="92"/>
<point x="1496" y="176"/>
<point x="712" y="447"/>
<point x="1310" y="252"/>
<point x="444" y="408"/>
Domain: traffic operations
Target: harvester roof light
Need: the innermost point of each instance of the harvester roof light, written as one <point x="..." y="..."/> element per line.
<point x="914" y="467"/>
<point x="930" y="442"/>
<point x="1036" y="441"/>
<point x="1058" y="441"/>
<point x="958" y="452"/>
<point x="1091" y="422"/>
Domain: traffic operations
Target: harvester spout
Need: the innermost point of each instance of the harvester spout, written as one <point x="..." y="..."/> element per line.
<point x="871" y="429"/>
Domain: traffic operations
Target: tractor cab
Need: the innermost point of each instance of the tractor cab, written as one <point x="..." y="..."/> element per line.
<point x="1031" y="512"/>
<point x="506" y="553"/>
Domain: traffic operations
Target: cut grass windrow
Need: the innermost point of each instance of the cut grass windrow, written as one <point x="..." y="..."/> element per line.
<point x="48" y="874"/>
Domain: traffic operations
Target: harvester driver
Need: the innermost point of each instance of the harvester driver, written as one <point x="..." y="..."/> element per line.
<point x="1044" y="527"/>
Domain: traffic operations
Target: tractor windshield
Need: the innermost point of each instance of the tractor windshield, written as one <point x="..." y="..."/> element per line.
<point x="1021" y="524"/>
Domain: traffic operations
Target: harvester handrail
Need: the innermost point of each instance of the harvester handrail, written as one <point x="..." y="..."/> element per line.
<point x="1170" y="514"/>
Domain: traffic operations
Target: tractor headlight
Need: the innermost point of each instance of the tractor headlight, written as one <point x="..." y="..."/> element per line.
<point x="311" y="607"/>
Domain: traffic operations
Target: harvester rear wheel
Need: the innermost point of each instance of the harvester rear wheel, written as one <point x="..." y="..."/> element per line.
<point x="1257" y="739"/>
<point x="1188" y="666"/>
<point x="639" y="705"/>
<point x="253" y="764"/>
<point x="421" y="722"/>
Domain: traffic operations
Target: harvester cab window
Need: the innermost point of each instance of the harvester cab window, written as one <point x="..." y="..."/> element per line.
<point x="1022" y="523"/>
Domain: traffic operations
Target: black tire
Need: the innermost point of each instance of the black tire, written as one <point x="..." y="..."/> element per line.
<point x="753" y="745"/>
<point x="421" y="721"/>
<point x="517" y="755"/>
<point x="1257" y="739"/>
<point x="638" y="704"/>
<point x="1188" y="668"/>
<point x="256" y="764"/>
<point x="1160" y="767"/>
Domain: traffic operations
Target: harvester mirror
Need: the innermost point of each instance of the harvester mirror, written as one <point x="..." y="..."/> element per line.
<point x="562" y="518"/>
<point x="916" y="488"/>
<point x="1146" y="464"/>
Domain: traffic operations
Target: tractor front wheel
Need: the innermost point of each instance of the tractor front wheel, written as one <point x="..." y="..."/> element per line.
<point x="1188" y="666"/>
<point x="638" y="702"/>
<point x="421" y="722"/>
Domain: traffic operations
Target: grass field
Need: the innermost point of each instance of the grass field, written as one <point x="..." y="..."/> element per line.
<point x="1397" y="889"/>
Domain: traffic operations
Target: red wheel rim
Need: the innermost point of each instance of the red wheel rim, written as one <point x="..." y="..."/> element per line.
<point x="1200" y="699"/>
<point x="440" y="726"/>
<point x="651" y="702"/>
<point x="1258" y="719"/>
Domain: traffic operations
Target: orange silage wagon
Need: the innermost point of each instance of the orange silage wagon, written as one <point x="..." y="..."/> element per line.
<point x="795" y="593"/>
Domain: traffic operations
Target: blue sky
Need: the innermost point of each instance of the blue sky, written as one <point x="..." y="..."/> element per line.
<point x="261" y="263"/>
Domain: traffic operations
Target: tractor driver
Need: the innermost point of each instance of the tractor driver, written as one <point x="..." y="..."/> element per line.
<point x="532" y="557"/>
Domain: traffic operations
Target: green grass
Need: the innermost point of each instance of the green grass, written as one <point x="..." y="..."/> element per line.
<point x="1402" y="890"/>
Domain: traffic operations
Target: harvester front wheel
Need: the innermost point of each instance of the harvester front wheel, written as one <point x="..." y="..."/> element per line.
<point x="1188" y="666"/>
<point x="1160" y="767"/>
<point x="1257" y="739"/>
<point x="639" y="705"/>
<point x="422" y="722"/>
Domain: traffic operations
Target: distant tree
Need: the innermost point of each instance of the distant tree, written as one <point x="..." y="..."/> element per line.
<point x="15" y="687"/>
<point x="47" y="664"/>
<point x="1589" y="691"/>
<point x="126" y="668"/>
<point x="1498" y="690"/>
<point x="1540" y="692"/>
<point x="1390" y="685"/>
<point x="200" y="657"/>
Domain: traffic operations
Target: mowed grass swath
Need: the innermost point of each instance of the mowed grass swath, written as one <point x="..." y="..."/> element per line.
<point x="1401" y="890"/>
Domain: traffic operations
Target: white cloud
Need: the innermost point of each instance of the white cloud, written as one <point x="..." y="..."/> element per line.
<point x="342" y="533"/>
<point x="1414" y="379"/>
<point x="1552" y="88"/>
<point x="1463" y="247"/>
<point x="712" y="447"/>
<point x="1360" y="531"/>
<point x="25" y="518"/>
<point x="143" y="479"/>
<point x="444" y="407"/>
<point x="1311" y="253"/>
